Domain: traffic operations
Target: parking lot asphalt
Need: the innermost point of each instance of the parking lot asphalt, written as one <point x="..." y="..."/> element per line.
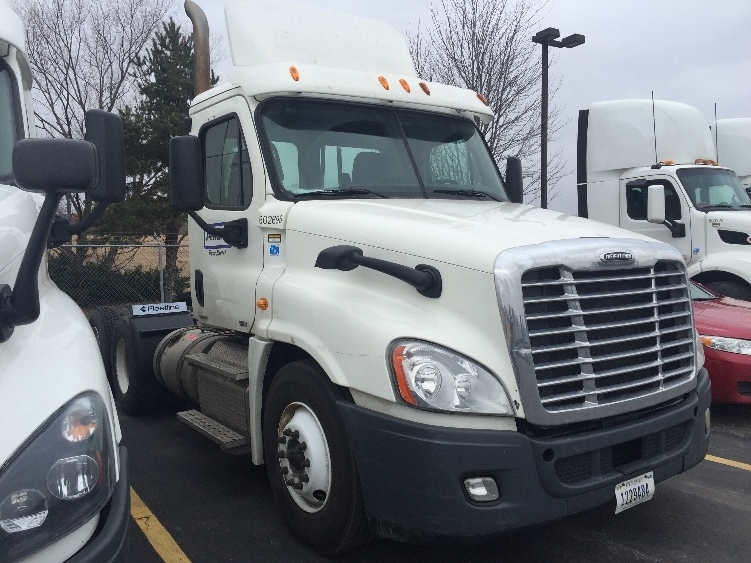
<point x="215" y="507"/>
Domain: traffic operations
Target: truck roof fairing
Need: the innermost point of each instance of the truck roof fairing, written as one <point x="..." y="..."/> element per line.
<point x="621" y="135"/>
<point x="333" y="54"/>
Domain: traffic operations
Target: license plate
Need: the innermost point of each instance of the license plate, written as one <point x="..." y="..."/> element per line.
<point x="634" y="491"/>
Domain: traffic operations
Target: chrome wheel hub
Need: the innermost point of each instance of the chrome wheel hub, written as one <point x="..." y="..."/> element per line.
<point x="304" y="458"/>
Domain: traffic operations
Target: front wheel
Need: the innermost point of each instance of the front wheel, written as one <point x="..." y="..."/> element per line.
<point x="310" y="463"/>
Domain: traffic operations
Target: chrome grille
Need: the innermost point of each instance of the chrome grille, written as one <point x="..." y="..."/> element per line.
<point x="600" y="336"/>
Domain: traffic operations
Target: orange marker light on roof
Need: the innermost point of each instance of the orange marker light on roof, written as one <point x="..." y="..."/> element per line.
<point x="668" y="162"/>
<point x="405" y="85"/>
<point x="482" y="98"/>
<point x="384" y="82"/>
<point x="294" y="74"/>
<point x="425" y="88"/>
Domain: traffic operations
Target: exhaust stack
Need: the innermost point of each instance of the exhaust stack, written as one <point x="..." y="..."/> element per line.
<point x="202" y="67"/>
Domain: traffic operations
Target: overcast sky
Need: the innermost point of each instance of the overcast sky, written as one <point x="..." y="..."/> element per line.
<point x="692" y="51"/>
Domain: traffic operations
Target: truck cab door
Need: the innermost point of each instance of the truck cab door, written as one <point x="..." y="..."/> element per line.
<point x="634" y="212"/>
<point x="224" y="277"/>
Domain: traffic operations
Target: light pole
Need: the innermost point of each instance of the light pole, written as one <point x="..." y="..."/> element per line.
<point x="549" y="38"/>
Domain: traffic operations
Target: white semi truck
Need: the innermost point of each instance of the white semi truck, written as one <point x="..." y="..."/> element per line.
<point x="633" y="154"/>
<point x="733" y="140"/>
<point x="63" y="482"/>
<point x="408" y="349"/>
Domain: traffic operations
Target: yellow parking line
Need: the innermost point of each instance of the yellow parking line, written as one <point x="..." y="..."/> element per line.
<point x="159" y="538"/>
<point x="729" y="462"/>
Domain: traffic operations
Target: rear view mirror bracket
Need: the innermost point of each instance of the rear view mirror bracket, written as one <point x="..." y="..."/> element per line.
<point x="677" y="229"/>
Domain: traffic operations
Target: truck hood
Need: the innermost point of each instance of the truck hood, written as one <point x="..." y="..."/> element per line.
<point x="18" y="212"/>
<point x="730" y="220"/>
<point x="470" y="234"/>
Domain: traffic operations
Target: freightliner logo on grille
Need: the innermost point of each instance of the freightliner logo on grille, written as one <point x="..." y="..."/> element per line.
<point x="616" y="257"/>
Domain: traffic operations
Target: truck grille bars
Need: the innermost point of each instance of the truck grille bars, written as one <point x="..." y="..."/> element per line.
<point x="591" y="337"/>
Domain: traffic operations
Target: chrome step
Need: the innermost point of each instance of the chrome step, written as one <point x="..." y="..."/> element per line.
<point x="228" y="439"/>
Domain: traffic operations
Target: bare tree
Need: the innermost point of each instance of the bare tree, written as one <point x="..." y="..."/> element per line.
<point x="486" y="46"/>
<point x="82" y="54"/>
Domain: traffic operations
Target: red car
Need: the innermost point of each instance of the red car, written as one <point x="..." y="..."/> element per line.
<point x="724" y="325"/>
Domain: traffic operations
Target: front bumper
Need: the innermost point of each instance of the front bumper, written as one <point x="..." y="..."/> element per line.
<point x="109" y="542"/>
<point x="412" y="474"/>
<point x="730" y="375"/>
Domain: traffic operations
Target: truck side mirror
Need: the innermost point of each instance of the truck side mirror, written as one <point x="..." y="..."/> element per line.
<point x="656" y="204"/>
<point x="185" y="174"/>
<point x="186" y="190"/>
<point x="55" y="166"/>
<point x="514" y="182"/>
<point x="105" y="131"/>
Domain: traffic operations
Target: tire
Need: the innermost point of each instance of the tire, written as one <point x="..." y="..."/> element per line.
<point x="134" y="386"/>
<point x="323" y="504"/>
<point x="730" y="289"/>
<point x="103" y="321"/>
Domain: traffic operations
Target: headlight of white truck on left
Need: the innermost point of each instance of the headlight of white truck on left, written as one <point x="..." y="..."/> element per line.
<point x="60" y="478"/>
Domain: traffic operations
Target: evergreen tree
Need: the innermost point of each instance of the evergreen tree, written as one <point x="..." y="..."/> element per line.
<point x="165" y="83"/>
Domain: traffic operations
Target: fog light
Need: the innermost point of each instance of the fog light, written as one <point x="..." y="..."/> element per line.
<point x="707" y="421"/>
<point x="482" y="489"/>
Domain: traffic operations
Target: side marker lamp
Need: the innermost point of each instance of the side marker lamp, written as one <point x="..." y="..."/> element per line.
<point x="384" y="82"/>
<point x="294" y="74"/>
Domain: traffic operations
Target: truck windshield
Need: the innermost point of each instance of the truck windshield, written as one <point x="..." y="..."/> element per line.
<point x="8" y="123"/>
<point x="711" y="189"/>
<point x="323" y="149"/>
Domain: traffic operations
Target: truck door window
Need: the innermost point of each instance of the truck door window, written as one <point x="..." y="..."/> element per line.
<point x="9" y="131"/>
<point x="229" y="182"/>
<point x="636" y="202"/>
<point x="714" y="188"/>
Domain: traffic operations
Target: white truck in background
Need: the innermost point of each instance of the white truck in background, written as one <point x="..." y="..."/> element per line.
<point x="733" y="140"/>
<point x="63" y="481"/>
<point x="408" y="349"/>
<point x="635" y="156"/>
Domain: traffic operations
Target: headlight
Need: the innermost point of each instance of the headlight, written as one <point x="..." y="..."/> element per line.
<point x="434" y="378"/>
<point x="59" y="479"/>
<point x="732" y="345"/>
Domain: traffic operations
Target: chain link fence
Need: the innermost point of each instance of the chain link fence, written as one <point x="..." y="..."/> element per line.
<point x="120" y="274"/>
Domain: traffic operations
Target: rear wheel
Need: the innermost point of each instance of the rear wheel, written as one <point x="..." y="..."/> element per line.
<point x="730" y="289"/>
<point x="133" y="383"/>
<point x="103" y="321"/>
<point x="309" y="460"/>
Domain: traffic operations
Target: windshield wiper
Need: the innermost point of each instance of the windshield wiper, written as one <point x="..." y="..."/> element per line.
<point x="466" y="193"/>
<point x="341" y="193"/>
<point x="717" y="206"/>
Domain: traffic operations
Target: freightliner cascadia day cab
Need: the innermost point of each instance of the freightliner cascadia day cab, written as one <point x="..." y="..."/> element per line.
<point x="630" y="149"/>
<point x="733" y="140"/>
<point x="410" y="350"/>
<point x="63" y="484"/>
